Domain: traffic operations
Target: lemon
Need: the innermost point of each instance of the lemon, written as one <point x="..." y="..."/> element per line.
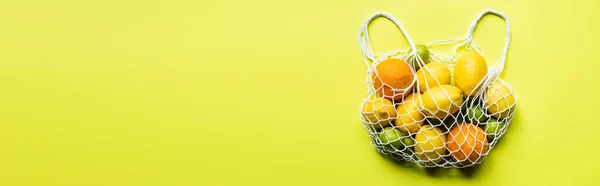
<point x="415" y="97"/>
<point x="469" y="70"/>
<point x="499" y="99"/>
<point x="378" y="112"/>
<point x="429" y="145"/>
<point x="410" y="117"/>
<point x="442" y="101"/>
<point x="432" y="75"/>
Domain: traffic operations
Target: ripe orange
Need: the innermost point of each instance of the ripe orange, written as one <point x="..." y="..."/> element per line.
<point x="393" y="79"/>
<point x="467" y="142"/>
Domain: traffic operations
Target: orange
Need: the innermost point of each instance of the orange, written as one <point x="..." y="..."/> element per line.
<point x="393" y="79"/>
<point x="467" y="143"/>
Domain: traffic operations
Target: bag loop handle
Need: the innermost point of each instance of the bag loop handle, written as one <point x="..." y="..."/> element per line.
<point x="499" y="66"/>
<point x="365" y="43"/>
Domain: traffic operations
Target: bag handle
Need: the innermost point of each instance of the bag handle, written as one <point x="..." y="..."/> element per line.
<point x="365" y="43"/>
<point x="499" y="66"/>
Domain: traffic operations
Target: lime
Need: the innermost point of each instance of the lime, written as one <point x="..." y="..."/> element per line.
<point x="408" y="143"/>
<point x="391" y="138"/>
<point x="476" y="114"/>
<point x="423" y="52"/>
<point x="492" y="128"/>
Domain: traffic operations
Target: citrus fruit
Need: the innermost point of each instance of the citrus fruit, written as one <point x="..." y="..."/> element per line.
<point x="393" y="140"/>
<point x="469" y="70"/>
<point x="393" y="79"/>
<point x="442" y="101"/>
<point x="467" y="143"/>
<point x="378" y="112"/>
<point x="432" y="75"/>
<point x="423" y="53"/>
<point x="410" y="117"/>
<point x="408" y="144"/>
<point x="499" y="99"/>
<point x="476" y="114"/>
<point x="429" y="145"/>
<point x="492" y="128"/>
<point x="390" y="137"/>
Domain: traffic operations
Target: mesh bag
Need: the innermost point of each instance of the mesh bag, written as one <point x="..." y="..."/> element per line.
<point x="433" y="109"/>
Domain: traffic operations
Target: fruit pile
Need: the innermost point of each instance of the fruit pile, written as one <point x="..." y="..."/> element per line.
<point x="436" y="113"/>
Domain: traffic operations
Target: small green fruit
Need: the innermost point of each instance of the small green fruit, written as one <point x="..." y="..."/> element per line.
<point x="393" y="139"/>
<point x="423" y="52"/>
<point x="391" y="136"/>
<point x="476" y="114"/>
<point x="492" y="128"/>
<point x="408" y="143"/>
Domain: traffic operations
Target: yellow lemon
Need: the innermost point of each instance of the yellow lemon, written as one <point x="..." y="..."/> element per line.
<point x="429" y="145"/>
<point x="416" y="97"/>
<point x="442" y="101"/>
<point x="433" y="75"/>
<point x="499" y="99"/>
<point x="378" y="112"/>
<point x="410" y="117"/>
<point x="469" y="70"/>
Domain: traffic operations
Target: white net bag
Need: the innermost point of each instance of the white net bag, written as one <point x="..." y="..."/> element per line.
<point x="433" y="109"/>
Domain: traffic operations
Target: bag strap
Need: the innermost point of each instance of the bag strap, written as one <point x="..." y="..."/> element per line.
<point x="365" y="43"/>
<point x="499" y="66"/>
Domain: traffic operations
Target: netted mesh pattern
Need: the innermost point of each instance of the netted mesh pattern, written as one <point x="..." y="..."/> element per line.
<point x="431" y="121"/>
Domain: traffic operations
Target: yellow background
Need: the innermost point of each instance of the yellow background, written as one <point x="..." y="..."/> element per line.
<point x="266" y="92"/>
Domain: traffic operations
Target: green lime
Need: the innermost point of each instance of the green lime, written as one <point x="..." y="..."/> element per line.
<point x="393" y="139"/>
<point x="476" y="114"/>
<point x="492" y="128"/>
<point x="423" y="52"/>
<point x="408" y="143"/>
